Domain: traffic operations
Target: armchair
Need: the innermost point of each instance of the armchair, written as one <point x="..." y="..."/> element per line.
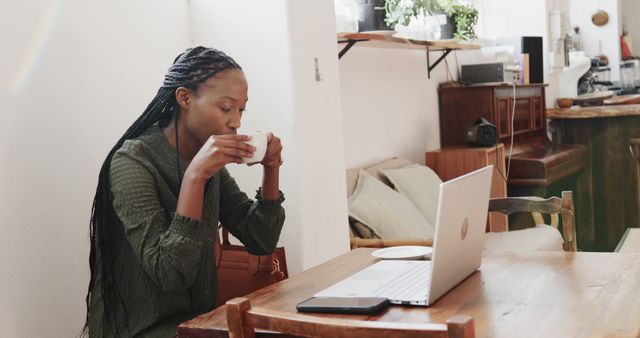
<point x="539" y="238"/>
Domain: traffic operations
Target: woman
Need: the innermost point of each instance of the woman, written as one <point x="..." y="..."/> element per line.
<point x="162" y="191"/>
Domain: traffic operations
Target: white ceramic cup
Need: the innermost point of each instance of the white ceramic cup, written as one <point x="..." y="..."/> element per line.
<point x="259" y="140"/>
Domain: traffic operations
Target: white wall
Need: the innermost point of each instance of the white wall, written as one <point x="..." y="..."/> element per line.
<point x="630" y="11"/>
<point x="318" y="131"/>
<point x="510" y="20"/>
<point x="592" y="36"/>
<point x="74" y="75"/>
<point x="506" y="18"/>
<point x="389" y="106"/>
<point x="276" y="42"/>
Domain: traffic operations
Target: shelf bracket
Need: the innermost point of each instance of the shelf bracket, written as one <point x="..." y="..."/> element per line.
<point x="350" y="43"/>
<point x="430" y="66"/>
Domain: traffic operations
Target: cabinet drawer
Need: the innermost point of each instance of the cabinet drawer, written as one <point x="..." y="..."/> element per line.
<point x="460" y="107"/>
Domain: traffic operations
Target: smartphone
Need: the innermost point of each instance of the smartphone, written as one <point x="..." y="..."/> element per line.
<point x="355" y="305"/>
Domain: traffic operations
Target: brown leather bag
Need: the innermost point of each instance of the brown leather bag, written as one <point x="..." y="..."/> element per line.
<point x="240" y="273"/>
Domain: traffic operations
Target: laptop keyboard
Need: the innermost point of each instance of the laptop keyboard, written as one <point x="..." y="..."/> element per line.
<point x="409" y="285"/>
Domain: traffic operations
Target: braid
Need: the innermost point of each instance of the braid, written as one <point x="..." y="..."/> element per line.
<point x="189" y="70"/>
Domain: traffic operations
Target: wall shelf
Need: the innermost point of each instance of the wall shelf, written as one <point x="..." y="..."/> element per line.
<point x="385" y="39"/>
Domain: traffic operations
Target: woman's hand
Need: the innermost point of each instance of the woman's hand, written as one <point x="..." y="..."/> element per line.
<point x="218" y="151"/>
<point x="271" y="163"/>
<point x="273" y="155"/>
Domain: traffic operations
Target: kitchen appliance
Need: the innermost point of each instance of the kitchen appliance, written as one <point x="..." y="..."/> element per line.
<point x="507" y="72"/>
<point x="630" y="72"/>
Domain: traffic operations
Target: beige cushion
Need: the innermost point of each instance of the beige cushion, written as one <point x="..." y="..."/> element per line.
<point x="420" y="184"/>
<point x="374" y="169"/>
<point x="539" y="238"/>
<point x="387" y="212"/>
<point x="352" y="179"/>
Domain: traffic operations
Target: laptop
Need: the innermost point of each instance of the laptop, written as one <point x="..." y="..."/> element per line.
<point x="457" y="250"/>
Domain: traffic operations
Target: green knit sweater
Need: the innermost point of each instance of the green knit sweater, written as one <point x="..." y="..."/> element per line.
<point x="164" y="263"/>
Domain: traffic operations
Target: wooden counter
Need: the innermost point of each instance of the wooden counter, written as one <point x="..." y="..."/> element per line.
<point x="594" y="112"/>
<point x="605" y="131"/>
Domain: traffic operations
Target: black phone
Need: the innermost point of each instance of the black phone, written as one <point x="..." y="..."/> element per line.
<point x="355" y="305"/>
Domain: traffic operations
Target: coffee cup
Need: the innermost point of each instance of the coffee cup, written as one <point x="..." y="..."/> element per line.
<point x="259" y="140"/>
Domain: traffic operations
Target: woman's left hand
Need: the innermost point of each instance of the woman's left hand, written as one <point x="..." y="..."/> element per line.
<point x="273" y="155"/>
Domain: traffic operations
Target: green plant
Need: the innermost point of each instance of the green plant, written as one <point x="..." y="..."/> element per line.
<point x="444" y="6"/>
<point x="466" y="17"/>
<point x="400" y="12"/>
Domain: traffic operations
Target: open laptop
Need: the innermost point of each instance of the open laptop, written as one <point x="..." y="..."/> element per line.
<point x="457" y="250"/>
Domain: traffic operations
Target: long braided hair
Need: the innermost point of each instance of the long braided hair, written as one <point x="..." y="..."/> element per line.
<point x="189" y="70"/>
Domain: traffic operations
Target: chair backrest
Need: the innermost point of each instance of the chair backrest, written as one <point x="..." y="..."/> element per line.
<point x="537" y="206"/>
<point x="243" y="319"/>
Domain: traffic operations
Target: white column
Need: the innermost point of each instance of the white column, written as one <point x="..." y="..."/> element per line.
<point x="276" y="43"/>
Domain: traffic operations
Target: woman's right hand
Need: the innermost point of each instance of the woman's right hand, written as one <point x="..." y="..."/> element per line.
<point x="218" y="151"/>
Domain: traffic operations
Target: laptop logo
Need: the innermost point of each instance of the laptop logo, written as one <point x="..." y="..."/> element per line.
<point x="465" y="228"/>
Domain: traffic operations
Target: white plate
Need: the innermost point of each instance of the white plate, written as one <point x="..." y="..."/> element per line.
<point x="403" y="252"/>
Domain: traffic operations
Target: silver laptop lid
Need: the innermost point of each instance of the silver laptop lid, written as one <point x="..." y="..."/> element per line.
<point x="459" y="232"/>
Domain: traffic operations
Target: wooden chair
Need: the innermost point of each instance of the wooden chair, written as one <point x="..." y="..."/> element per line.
<point x="508" y="205"/>
<point x="537" y="206"/>
<point x="242" y="319"/>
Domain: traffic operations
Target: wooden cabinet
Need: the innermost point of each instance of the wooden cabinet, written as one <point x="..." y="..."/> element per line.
<point x="460" y="107"/>
<point x="452" y="162"/>
<point x="528" y="110"/>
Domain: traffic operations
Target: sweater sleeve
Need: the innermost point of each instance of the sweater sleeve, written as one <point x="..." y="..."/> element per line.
<point x="257" y="224"/>
<point x="169" y="246"/>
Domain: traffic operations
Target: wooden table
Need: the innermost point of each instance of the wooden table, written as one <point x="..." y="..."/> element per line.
<point x="630" y="241"/>
<point x="514" y="295"/>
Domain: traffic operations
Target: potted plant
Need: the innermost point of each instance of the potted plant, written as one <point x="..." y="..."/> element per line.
<point x="465" y="17"/>
<point x="369" y="17"/>
<point x="443" y="13"/>
<point x="401" y="11"/>
<point x="459" y="23"/>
